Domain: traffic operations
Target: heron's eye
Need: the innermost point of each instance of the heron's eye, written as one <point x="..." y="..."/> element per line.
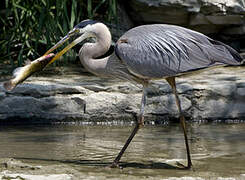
<point x="73" y="32"/>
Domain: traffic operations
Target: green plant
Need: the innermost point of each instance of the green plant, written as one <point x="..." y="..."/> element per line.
<point x="29" y="28"/>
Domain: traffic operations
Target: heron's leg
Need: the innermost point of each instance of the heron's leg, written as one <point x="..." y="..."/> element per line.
<point x="171" y="81"/>
<point x="139" y="124"/>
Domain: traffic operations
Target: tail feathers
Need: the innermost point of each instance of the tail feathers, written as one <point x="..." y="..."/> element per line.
<point x="236" y="56"/>
<point x="9" y="85"/>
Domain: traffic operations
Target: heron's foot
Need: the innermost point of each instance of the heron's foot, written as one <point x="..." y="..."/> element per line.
<point x="115" y="165"/>
<point x="182" y="166"/>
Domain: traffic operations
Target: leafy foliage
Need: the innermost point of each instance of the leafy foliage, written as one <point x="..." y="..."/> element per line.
<point x="29" y="28"/>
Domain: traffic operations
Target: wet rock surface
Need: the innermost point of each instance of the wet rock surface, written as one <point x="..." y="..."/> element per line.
<point x="211" y="95"/>
<point x="16" y="169"/>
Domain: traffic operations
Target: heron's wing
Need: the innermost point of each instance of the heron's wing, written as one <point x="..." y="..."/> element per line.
<point x="156" y="51"/>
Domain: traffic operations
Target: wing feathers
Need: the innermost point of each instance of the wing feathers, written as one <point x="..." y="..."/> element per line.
<point x="156" y="51"/>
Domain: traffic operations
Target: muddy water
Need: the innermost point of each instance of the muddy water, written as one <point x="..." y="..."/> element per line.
<point x="84" y="152"/>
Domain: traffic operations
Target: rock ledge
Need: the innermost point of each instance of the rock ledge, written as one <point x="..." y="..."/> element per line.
<point x="215" y="94"/>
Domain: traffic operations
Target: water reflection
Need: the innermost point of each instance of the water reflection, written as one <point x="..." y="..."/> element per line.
<point x="214" y="147"/>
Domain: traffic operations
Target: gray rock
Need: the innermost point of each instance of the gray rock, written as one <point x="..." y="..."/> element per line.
<point x="46" y="89"/>
<point x="2" y="95"/>
<point x="212" y="94"/>
<point x="206" y="16"/>
<point x="213" y="108"/>
<point x="186" y="178"/>
<point x="125" y="22"/>
<point x="237" y="30"/>
<point x="20" y="176"/>
<point x="226" y="20"/>
<point x="163" y="105"/>
<point x="15" y="164"/>
<point x="241" y="91"/>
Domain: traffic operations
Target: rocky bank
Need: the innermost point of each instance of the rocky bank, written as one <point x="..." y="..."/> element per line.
<point x="221" y="19"/>
<point x="214" y="94"/>
<point x="207" y="16"/>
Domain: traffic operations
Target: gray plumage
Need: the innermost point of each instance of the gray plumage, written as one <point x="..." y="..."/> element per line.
<point x="146" y="53"/>
<point x="159" y="51"/>
<point x="151" y="52"/>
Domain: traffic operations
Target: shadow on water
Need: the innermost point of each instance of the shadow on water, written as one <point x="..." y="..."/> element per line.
<point x="150" y="165"/>
<point x="153" y="165"/>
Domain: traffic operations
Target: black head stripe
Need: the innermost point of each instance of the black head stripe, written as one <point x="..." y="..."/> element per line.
<point x="84" y="23"/>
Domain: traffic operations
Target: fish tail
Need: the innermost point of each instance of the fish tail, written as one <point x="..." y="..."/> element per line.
<point x="9" y="85"/>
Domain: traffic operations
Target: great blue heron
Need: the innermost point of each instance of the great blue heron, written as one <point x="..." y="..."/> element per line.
<point x="146" y="53"/>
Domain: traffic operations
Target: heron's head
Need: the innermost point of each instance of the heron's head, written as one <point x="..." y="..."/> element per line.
<point x="80" y="32"/>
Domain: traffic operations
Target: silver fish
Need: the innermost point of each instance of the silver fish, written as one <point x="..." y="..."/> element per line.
<point x="22" y="73"/>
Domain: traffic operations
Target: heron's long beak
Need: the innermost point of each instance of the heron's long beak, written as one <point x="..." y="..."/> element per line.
<point x="69" y="46"/>
<point x="62" y="41"/>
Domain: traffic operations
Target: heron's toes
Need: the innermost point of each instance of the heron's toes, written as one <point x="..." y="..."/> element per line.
<point x="115" y="165"/>
<point x="182" y="166"/>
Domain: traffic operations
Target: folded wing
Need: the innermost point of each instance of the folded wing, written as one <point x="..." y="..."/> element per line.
<point x="157" y="51"/>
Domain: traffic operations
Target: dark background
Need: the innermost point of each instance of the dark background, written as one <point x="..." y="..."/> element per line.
<point x="29" y="28"/>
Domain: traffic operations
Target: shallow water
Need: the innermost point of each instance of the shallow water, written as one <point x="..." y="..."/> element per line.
<point x="218" y="150"/>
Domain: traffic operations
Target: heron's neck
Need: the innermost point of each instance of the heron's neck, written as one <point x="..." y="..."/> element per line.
<point x="90" y="51"/>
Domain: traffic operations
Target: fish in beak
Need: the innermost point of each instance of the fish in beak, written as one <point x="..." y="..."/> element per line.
<point x="73" y="33"/>
<point x="22" y="73"/>
<point x="80" y="32"/>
